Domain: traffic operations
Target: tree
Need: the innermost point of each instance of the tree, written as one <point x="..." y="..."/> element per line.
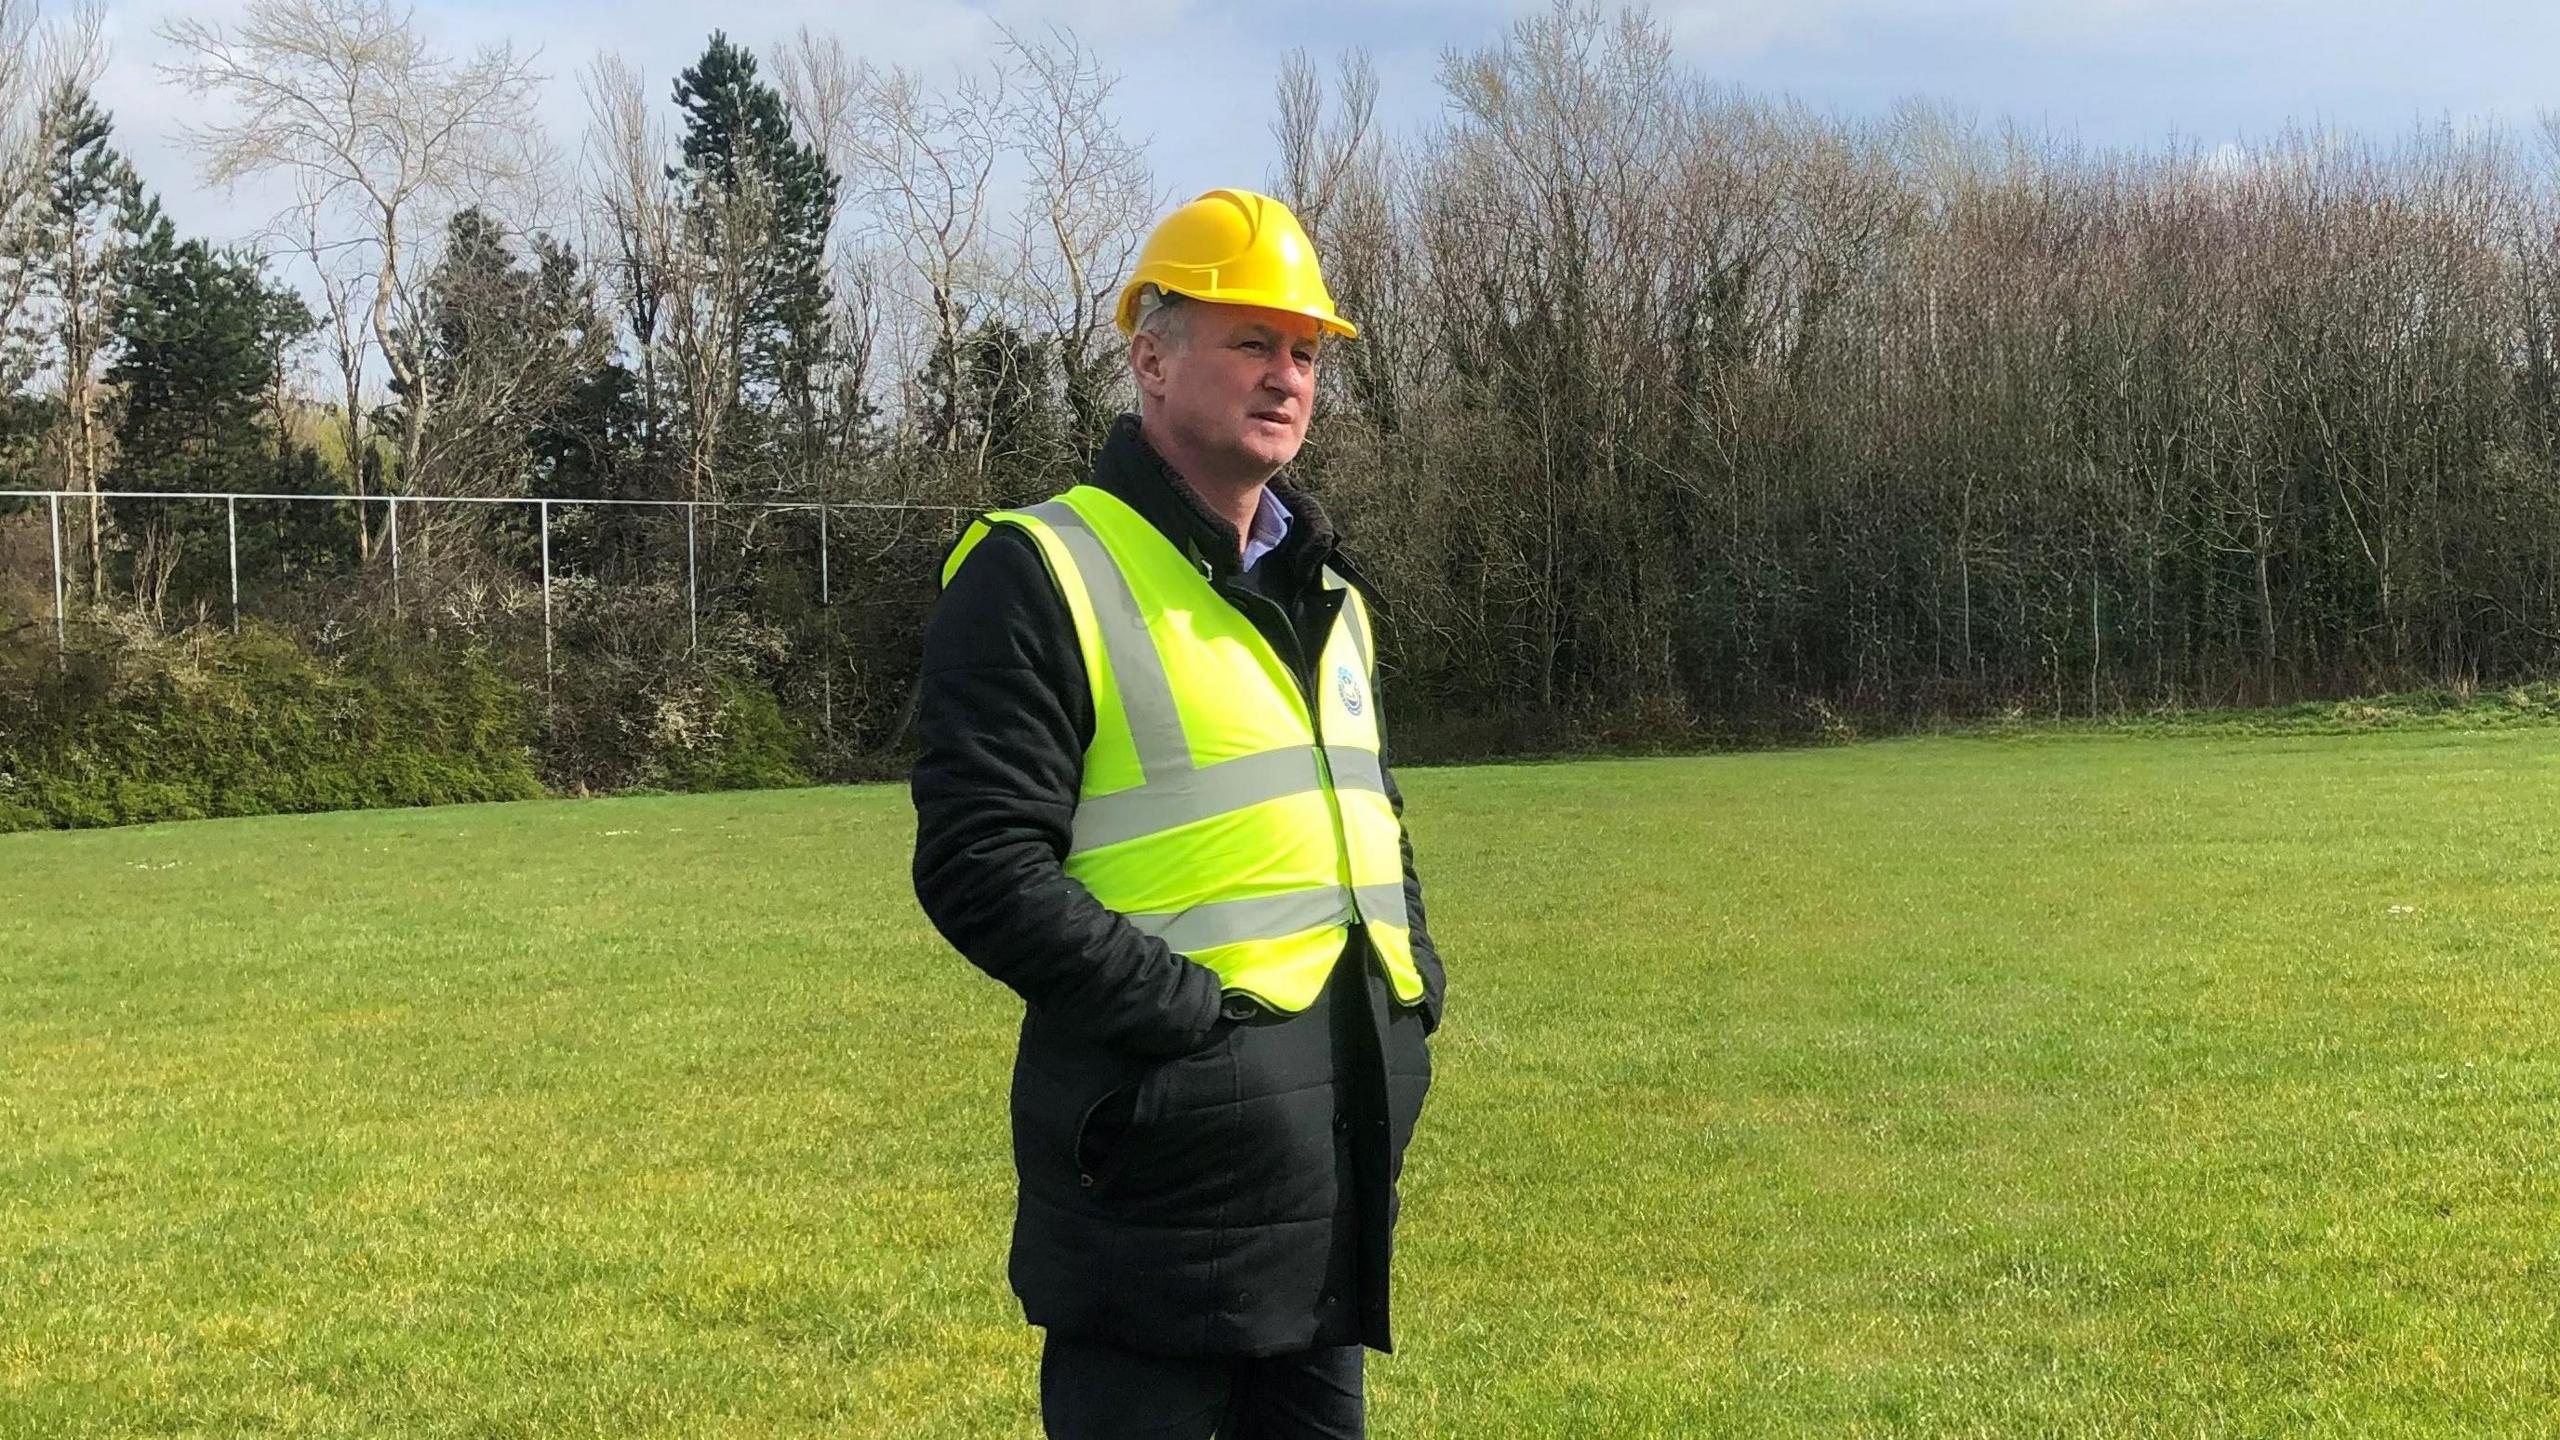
<point x="636" y="248"/>
<point x="88" y="212"/>
<point x="503" y="345"/>
<point x="1334" y="174"/>
<point x="735" y="133"/>
<point x="201" y="335"/>
<point x="1088" y="202"/>
<point x="999" y="384"/>
<point x="38" y="61"/>
<point x="751" y="314"/>
<point x="348" y="99"/>
<point x="925" y="163"/>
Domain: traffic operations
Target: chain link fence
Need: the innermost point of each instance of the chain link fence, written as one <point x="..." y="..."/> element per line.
<point x="820" y="603"/>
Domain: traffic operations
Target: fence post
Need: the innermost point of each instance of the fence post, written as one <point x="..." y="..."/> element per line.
<point x="546" y="598"/>
<point x="550" y="614"/>
<point x="61" y="642"/>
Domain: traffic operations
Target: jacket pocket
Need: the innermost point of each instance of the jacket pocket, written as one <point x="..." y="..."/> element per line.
<point x="1102" y="1132"/>
<point x="1056" y="1094"/>
<point x="1149" y="1147"/>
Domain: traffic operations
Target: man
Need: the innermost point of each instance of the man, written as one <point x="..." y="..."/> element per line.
<point x="1152" y="799"/>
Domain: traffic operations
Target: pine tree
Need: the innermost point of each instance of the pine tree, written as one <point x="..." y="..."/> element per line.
<point x="761" y="203"/>
<point x="503" y="346"/>
<point x="1008" y="417"/>
<point x="88" y="212"/>
<point x="200" y="336"/>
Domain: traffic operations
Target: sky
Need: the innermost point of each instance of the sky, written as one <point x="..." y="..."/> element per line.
<point x="1197" y="73"/>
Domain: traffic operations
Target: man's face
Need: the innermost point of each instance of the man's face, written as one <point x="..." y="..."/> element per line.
<point x="1236" y="389"/>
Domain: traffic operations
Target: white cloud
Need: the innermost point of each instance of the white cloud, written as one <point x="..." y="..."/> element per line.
<point x="1190" y="83"/>
<point x="1198" y="73"/>
<point x="1726" y="31"/>
<point x="1737" y="30"/>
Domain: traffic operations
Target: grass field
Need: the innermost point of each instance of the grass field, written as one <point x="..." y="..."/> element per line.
<point x="2066" y="1087"/>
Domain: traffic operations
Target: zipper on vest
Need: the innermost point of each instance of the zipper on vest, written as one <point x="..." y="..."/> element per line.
<point x="1245" y="600"/>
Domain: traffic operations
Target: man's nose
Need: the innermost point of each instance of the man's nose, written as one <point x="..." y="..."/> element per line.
<point x="1286" y="376"/>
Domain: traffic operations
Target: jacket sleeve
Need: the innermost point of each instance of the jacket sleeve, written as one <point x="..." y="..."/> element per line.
<point x="1426" y="955"/>
<point x="1003" y="717"/>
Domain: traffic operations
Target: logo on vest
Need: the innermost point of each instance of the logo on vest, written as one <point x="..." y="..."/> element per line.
<point x="1347" y="686"/>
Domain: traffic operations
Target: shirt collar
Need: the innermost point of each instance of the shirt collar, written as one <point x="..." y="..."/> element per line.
<point x="1271" y="519"/>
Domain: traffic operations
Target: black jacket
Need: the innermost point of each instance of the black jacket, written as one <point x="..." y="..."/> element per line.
<point x="1195" y="1179"/>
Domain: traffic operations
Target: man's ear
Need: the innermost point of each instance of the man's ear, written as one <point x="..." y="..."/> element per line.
<point x="1147" y="357"/>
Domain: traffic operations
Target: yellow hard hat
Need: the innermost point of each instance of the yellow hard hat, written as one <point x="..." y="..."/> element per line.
<point x="1234" y="247"/>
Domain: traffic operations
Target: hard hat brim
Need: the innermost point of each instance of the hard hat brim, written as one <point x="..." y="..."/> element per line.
<point x="1127" y="318"/>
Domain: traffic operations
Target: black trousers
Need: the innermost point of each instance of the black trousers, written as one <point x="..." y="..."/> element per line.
<point x="1092" y="1391"/>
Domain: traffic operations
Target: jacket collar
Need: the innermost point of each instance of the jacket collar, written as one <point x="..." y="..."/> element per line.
<point x="1134" y="473"/>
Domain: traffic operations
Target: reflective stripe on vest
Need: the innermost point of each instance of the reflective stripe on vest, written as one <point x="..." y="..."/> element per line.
<point x="1241" y="822"/>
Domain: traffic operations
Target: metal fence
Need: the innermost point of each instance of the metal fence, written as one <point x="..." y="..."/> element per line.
<point x="394" y="504"/>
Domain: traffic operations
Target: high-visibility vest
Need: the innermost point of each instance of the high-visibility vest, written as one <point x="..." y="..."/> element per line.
<point x="1218" y="812"/>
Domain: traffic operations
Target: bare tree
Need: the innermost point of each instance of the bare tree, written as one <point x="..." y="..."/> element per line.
<point x="382" y="133"/>
<point x="1338" y="174"/>
<point x="344" y="277"/>
<point x="721" y="242"/>
<point x="1088" y="201"/>
<point x="826" y="91"/>
<point x="89" y="209"/>
<point x="37" y="62"/>
<point x="923" y="166"/>
<point x="632" y="208"/>
<point x="1322" y="147"/>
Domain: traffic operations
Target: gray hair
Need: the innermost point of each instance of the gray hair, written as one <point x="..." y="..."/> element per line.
<point x="1165" y="314"/>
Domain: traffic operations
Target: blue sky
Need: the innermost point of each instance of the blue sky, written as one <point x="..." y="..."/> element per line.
<point x="1198" y="74"/>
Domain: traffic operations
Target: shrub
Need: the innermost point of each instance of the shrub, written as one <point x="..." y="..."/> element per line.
<point x="725" y="733"/>
<point x="133" y="726"/>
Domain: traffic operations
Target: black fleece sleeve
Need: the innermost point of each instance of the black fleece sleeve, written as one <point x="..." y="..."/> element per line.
<point x="1426" y="955"/>
<point x="1003" y="719"/>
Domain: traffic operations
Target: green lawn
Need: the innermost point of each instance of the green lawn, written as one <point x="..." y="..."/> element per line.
<point x="2087" y="1086"/>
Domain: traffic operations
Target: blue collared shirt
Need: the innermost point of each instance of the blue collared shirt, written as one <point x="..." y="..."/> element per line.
<point x="1270" y="527"/>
